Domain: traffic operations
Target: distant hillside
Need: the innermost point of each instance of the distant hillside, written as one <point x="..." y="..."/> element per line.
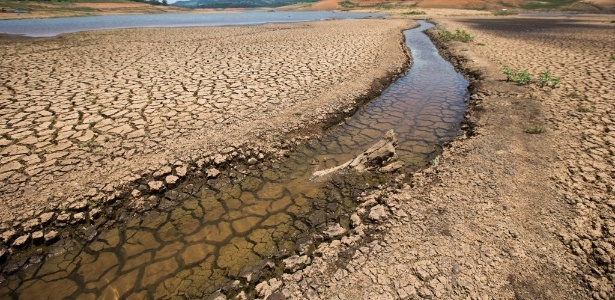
<point x="238" y="3"/>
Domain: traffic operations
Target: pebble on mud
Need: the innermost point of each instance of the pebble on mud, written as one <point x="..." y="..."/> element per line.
<point x="181" y="171"/>
<point x="51" y="237"/>
<point x="266" y="288"/>
<point x="295" y="262"/>
<point x="334" y="231"/>
<point x="171" y="179"/>
<point x="21" y="241"/>
<point x="377" y="213"/>
<point x="46" y="217"/>
<point x="37" y="237"/>
<point x="212" y="173"/>
<point x="155" y="186"/>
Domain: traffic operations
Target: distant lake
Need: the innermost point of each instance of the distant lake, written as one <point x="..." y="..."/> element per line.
<point x="53" y="27"/>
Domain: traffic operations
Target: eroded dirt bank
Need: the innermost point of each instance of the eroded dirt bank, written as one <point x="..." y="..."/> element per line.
<point x="84" y="116"/>
<point x="505" y="214"/>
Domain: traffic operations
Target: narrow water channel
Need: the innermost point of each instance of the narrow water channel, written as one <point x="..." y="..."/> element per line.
<point x="228" y="227"/>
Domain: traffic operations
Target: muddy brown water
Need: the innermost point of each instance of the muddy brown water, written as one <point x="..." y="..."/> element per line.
<point x="223" y="230"/>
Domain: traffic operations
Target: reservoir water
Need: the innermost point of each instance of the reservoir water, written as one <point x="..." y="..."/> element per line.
<point x="223" y="229"/>
<point x="55" y="26"/>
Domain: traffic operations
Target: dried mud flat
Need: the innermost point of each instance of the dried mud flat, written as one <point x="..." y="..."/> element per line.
<point x="504" y="214"/>
<point x="86" y="115"/>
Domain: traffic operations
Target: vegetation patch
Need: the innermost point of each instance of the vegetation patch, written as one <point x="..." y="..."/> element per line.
<point x="521" y="77"/>
<point x="459" y="35"/>
<point x="547" y="4"/>
<point x="535" y="129"/>
<point x="237" y="3"/>
<point x="545" y="79"/>
<point x="414" y="12"/>
<point x="347" y="4"/>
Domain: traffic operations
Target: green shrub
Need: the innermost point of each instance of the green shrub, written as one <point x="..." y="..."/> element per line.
<point x="522" y="77"/>
<point x="459" y="35"/>
<point x="544" y="78"/>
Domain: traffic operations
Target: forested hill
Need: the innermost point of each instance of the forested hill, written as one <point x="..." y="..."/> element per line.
<point x="237" y="3"/>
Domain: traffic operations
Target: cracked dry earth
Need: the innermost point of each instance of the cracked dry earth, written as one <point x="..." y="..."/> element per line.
<point x="504" y="214"/>
<point x="82" y="114"/>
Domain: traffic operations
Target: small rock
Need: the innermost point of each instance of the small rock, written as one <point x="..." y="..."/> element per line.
<point x="46" y="217"/>
<point x="212" y="173"/>
<point x="163" y="171"/>
<point x="94" y="213"/>
<point x="91" y="192"/>
<point x="155" y="186"/>
<point x="355" y="219"/>
<point x="21" y="241"/>
<point x="63" y="218"/>
<point x="334" y="231"/>
<point x="8" y="235"/>
<point x="79" y="217"/>
<point x="392" y="167"/>
<point x="377" y="213"/>
<point x="252" y="161"/>
<point x="28" y="226"/>
<point x="219" y="159"/>
<point x="242" y="296"/>
<point x="265" y="289"/>
<point x="171" y="179"/>
<point x="79" y="206"/>
<point x="181" y="171"/>
<point x="51" y="237"/>
<point x="37" y="237"/>
<point x="295" y="262"/>
<point x="135" y="193"/>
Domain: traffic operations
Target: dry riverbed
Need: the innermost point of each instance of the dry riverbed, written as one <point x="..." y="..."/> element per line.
<point x="510" y="211"/>
<point x="85" y="116"/>
<point x="502" y="213"/>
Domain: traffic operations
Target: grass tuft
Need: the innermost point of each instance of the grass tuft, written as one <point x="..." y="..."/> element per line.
<point x="535" y="129"/>
<point x="414" y="12"/>
<point x="521" y="77"/>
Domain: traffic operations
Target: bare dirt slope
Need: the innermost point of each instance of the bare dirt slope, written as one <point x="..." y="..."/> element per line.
<point x="504" y="214"/>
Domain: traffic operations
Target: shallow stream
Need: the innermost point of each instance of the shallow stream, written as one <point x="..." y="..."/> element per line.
<point x="223" y="229"/>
